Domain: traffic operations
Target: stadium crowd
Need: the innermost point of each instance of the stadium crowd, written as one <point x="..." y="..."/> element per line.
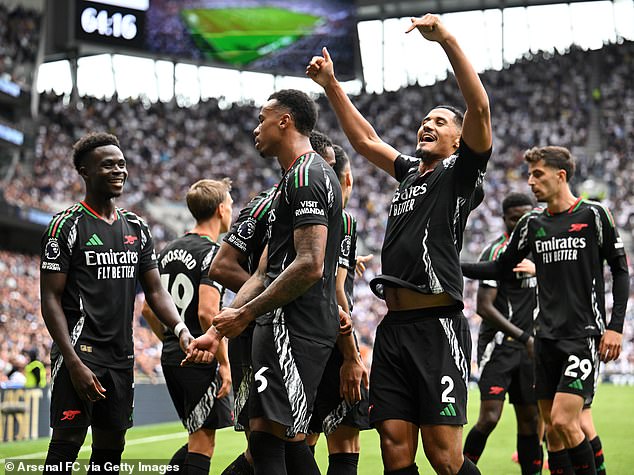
<point x="19" y="38"/>
<point x="542" y="99"/>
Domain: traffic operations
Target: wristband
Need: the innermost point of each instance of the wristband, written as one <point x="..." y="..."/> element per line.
<point x="180" y="326"/>
<point x="524" y="337"/>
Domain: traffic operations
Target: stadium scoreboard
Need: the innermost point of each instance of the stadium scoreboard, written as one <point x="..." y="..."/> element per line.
<point x="260" y="35"/>
<point x="109" y="24"/>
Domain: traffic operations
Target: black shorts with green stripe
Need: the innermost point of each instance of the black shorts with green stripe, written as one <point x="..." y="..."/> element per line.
<point x="566" y="366"/>
<point x="420" y="367"/>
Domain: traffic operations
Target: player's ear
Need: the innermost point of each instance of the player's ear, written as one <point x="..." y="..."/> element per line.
<point x="348" y="179"/>
<point x="456" y="142"/>
<point x="220" y="210"/>
<point x="285" y="121"/>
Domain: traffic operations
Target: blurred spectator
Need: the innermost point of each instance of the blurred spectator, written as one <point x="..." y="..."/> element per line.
<point x="19" y="39"/>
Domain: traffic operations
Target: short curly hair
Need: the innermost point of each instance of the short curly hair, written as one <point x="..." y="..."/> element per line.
<point x="302" y="108"/>
<point x="320" y="142"/>
<point x="88" y="143"/>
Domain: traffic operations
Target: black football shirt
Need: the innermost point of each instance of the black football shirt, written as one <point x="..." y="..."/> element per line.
<point x="569" y="249"/>
<point x="426" y="221"/>
<point x="249" y="233"/>
<point x="184" y="267"/>
<point x="516" y="296"/>
<point x="102" y="263"/>
<point x="309" y="193"/>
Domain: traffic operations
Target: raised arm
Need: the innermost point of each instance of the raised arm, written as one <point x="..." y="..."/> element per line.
<point x="476" y="129"/>
<point x="360" y="133"/>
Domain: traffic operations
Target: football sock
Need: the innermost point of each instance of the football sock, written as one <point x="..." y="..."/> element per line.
<point x="582" y="458"/>
<point x="60" y="451"/>
<point x="179" y="457"/>
<point x="599" y="459"/>
<point x="268" y="454"/>
<point x="559" y="463"/>
<point x="529" y="454"/>
<point x="239" y="466"/>
<point x="299" y="459"/>
<point x="411" y="470"/>
<point x="343" y="464"/>
<point x="100" y="457"/>
<point x="474" y="445"/>
<point x="196" y="464"/>
<point x="468" y="468"/>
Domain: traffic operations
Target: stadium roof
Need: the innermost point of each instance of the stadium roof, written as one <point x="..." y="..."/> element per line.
<point x="375" y="9"/>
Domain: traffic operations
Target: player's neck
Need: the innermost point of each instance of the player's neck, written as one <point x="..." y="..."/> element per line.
<point x="209" y="228"/>
<point x="296" y="147"/>
<point x="562" y="201"/>
<point x="427" y="166"/>
<point x="105" y="208"/>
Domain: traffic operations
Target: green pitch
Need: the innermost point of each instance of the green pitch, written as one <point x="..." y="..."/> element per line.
<point x="241" y="35"/>
<point x="612" y="415"/>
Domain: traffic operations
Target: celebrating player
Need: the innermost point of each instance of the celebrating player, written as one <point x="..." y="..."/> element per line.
<point x="504" y="345"/>
<point x="421" y="355"/>
<point x="93" y="255"/>
<point x="292" y="294"/>
<point x="569" y="241"/>
<point x="199" y="392"/>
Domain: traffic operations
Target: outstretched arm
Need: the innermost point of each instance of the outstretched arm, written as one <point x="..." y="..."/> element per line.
<point x="360" y="133"/>
<point x="305" y="270"/>
<point x="476" y="129"/>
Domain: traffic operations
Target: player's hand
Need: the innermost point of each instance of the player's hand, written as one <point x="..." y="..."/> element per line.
<point x="202" y="349"/>
<point x="527" y="266"/>
<point x="184" y="339"/>
<point x="230" y="322"/>
<point x="352" y="374"/>
<point x="361" y="260"/>
<point x="430" y="27"/>
<point x="86" y="383"/>
<point x="530" y="347"/>
<point x="610" y="346"/>
<point x="321" y="69"/>
<point x="345" y="322"/>
<point x="225" y="375"/>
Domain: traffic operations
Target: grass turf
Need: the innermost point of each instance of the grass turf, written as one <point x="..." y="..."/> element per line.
<point x="611" y="409"/>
